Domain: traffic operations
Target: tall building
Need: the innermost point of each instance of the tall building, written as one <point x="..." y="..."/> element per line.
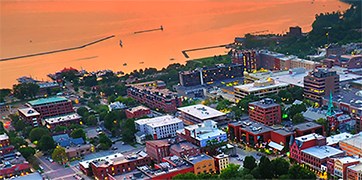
<point x="207" y="75"/>
<point x="248" y="58"/>
<point x="319" y="83"/>
<point x="155" y="95"/>
<point x="160" y="127"/>
<point x="265" y="111"/>
<point x="52" y="106"/>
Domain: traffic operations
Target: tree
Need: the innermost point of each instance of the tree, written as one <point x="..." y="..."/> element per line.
<point x="111" y="98"/>
<point x="103" y="139"/>
<point x="17" y="142"/>
<point x="266" y="166"/>
<point x="25" y="90"/>
<point x="280" y="166"/>
<point x="60" y="129"/>
<point x="231" y="172"/>
<point x="298" y="172"/>
<point x="78" y="133"/>
<point x="82" y="110"/>
<point x="207" y="176"/>
<point x="37" y="133"/>
<point x="249" y="162"/>
<point x="59" y="155"/>
<point x="127" y="136"/>
<point x="91" y="120"/>
<point x="189" y="175"/>
<point x="27" y="152"/>
<point x="296" y="108"/>
<point x="298" y="118"/>
<point x="256" y="172"/>
<point x="46" y="143"/>
<point x="248" y="176"/>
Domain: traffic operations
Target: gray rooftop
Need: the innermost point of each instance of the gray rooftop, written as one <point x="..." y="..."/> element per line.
<point x="183" y="146"/>
<point x="198" y="158"/>
<point x="348" y="96"/>
<point x="306" y="125"/>
<point x="323" y="151"/>
<point x="265" y="103"/>
<point x="254" y="127"/>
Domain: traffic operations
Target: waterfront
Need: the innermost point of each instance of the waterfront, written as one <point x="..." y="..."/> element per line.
<point x="38" y="26"/>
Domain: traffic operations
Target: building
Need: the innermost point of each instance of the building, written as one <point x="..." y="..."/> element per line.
<point x="259" y="88"/>
<point x="352" y="146"/>
<point x="295" y="31"/>
<point x="319" y="83"/>
<point x="52" y="106"/>
<point x="47" y="87"/>
<point x="249" y="59"/>
<point x="265" y="111"/>
<point x="354" y="171"/>
<point x="345" y="61"/>
<point x="116" y="106"/>
<point x="200" y="113"/>
<point x="114" y="164"/>
<point x="337" y="166"/>
<point x="335" y="139"/>
<point x="160" y="127"/>
<point x="27" y="176"/>
<point x="159" y="149"/>
<point x="155" y="95"/>
<point x="221" y="162"/>
<point x="31" y="116"/>
<point x="138" y="112"/>
<point x="79" y="150"/>
<point x="4" y="107"/>
<point x="15" y="167"/>
<point x="61" y="120"/>
<point x="199" y="134"/>
<point x="207" y="75"/>
<point x="202" y="164"/>
<point x="6" y="149"/>
<point x="140" y="137"/>
<point x="311" y="149"/>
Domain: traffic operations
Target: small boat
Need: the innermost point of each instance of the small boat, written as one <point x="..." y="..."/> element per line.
<point x="120" y="43"/>
<point x="124" y="64"/>
<point x="161" y="28"/>
<point x="141" y="62"/>
<point x="171" y="59"/>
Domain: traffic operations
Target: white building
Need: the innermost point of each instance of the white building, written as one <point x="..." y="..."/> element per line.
<point x="160" y="127"/>
<point x="199" y="113"/>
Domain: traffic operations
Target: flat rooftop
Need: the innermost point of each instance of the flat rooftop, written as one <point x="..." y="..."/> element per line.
<point x="348" y="159"/>
<point x="132" y="175"/>
<point x="356" y="167"/>
<point x="138" y="108"/>
<point x="62" y="118"/>
<point x="159" y="121"/>
<point x="306" y="126"/>
<point x="182" y="146"/>
<point x="115" y="159"/>
<point x="4" y="137"/>
<point x="49" y="100"/>
<point x="351" y="96"/>
<point x="323" y="151"/>
<point x="355" y="141"/>
<point x="29" y="112"/>
<point x="201" y="111"/>
<point x="198" y="158"/>
<point x="251" y="88"/>
<point x="254" y="127"/>
<point x="334" y="139"/>
<point x="298" y="79"/>
<point x="265" y="103"/>
<point x="309" y="137"/>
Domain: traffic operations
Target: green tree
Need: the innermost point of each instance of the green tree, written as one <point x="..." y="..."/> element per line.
<point x="189" y="175"/>
<point x="59" y="155"/>
<point x="249" y="162"/>
<point x="91" y="120"/>
<point x="127" y="136"/>
<point x="298" y="118"/>
<point x="17" y="142"/>
<point x="247" y="176"/>
<point x="111" y="98"/>
<point x="231" y="172"/>
<point x="26" y="90"/>
<point x="296" y="108"/>
<point x="26" y="152"/>
<point x="60" y="129"/>
<point x="82" y="110"/>
<point x="46" y="143"/>
<point x="266" y="166"/>
<point x="298" y="172"/>
<point x="103" y="139"/>
<point x="256" y="172"/>
<point x="37" y="133"/>
<point x="78" y="133"/>
<point x="207" y="176"/>
<point x="280" y="166"/>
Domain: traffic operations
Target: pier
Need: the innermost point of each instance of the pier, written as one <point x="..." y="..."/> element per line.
<point x="56" y="51"/>
<point x="197" y="49"/>
<point x="161" y="28"/>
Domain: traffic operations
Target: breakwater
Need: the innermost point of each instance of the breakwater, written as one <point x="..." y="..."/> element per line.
<point x="203" y="48"/>
<point x="56" y="51"/>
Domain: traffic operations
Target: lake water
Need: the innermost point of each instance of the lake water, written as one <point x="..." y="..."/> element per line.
<point x="37" y="26"/>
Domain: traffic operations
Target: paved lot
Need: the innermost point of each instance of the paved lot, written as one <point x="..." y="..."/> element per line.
<point x="91" y="132"/>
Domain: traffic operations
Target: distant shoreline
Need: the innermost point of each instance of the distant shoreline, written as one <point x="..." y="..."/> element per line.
<point x="56" y="51"/>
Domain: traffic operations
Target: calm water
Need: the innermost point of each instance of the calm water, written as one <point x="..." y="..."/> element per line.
<point x="36" y="26"/>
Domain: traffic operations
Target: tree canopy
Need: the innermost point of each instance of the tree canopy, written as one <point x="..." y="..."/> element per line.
<point x="249" y="162"/>
<point x="59" y="155"/>
<point x="37" y="133"/>
<point x="78" y="133"/>
<point x="46" y="143"/>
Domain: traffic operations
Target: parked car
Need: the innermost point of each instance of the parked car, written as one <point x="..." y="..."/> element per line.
<point x="114" y="148"/>
<point x="234" y="155"/>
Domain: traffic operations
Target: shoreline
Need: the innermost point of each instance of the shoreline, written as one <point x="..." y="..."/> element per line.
<point x="56" y="51"/>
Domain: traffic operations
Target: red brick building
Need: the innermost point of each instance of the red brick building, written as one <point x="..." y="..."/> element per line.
<point x="248" y="58"/>
<point x="155" y="95"/>
<point x="354" y="171"/>
<point x="114" y="164"/>
<point x="5" y="147"/>
<point x="265" y="111"/>
<point x="338" y="166"/>
<point x="52" y="106"/>
<point x="345" y="61"/>
<point x="31" y="116"/>
<point x="138" y="112"/>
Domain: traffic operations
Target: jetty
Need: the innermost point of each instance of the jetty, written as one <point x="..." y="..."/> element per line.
<point x="56" y="51"/>
<point x="203" y="48"/>
<point x="137" y="32"/>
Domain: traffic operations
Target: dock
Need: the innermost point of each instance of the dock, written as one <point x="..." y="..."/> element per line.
<point x="56" y="51"/>
<point x="203" y="48"/>
<point x="137" y="32"/>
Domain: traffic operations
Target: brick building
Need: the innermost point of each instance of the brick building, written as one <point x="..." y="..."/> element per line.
<point x="52" y="106"/>
<point x="155" y="95"/>
<point x="138" y="112"/>
<point x="352" y="146"/>
<point x="31" y="116"/>
<point x="265" y="111"/>
<point x="202" y="163"/>
<point x="5" y="148"/>
<point x="114" y="164"/>
<point x="221" y="162"/>
<point x="338" y="166"/>
<point x="319" y="83"/>
<point x="354" y="172"/>
<point x="249" y="59"/>
<point x="345" y="61"/>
